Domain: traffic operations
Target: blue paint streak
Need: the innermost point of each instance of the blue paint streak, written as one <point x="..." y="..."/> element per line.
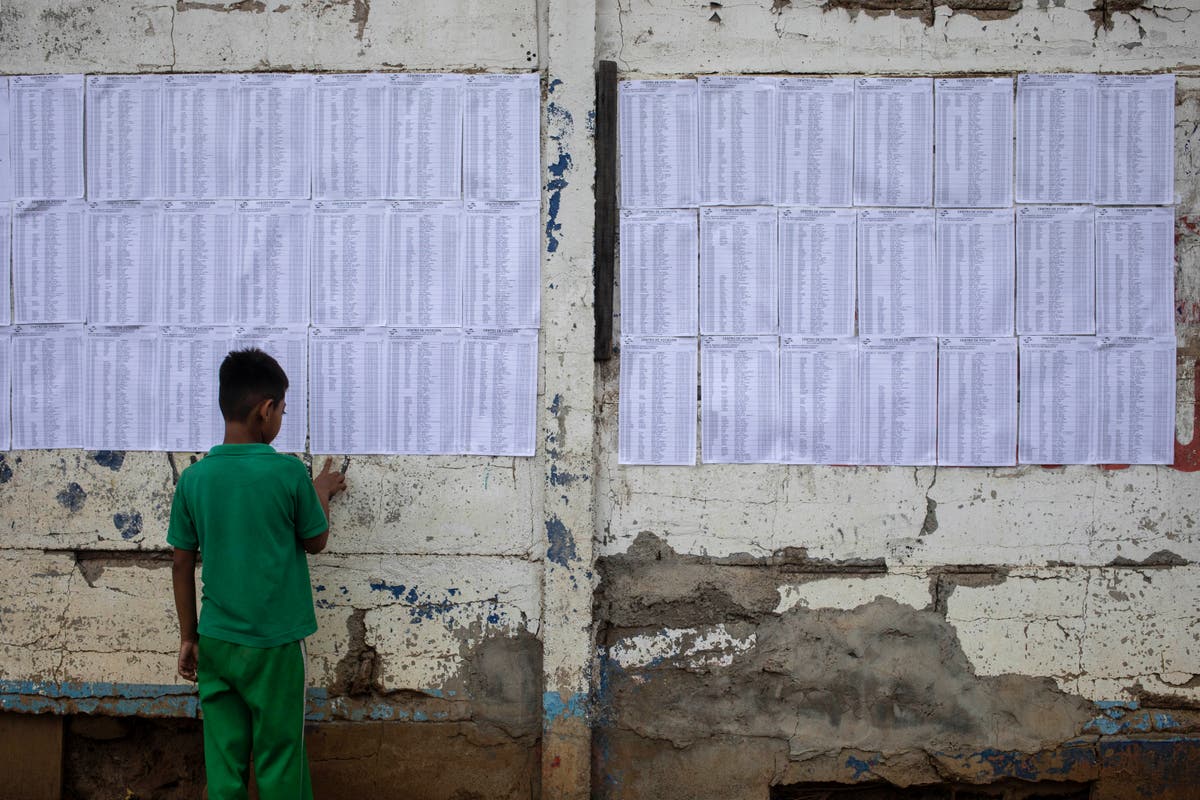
<point x="859" y="766"/>
<point x="113" y="459"/>
<point x="129" y="525"/>
<point x="556" y="404"/>
<point x="555" y="708"/>
<point x="395" y="589"/>
<point x="554" y="84"/>
<point x="560" y="121"/>
<point x="553" y="226"/>
<point x="563" y="478"/>
<point x="562" y="544"/>
<point x="72" y="498"/>
<point x="6" y="472"/>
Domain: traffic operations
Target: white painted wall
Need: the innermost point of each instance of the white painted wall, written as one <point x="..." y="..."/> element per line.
<point x="478" y="525"/>
<point x="463" y="535"/>
<point x="1098" y="631"/>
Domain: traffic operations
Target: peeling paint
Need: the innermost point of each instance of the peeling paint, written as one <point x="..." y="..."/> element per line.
<point x="72" y="498"/>
<point x="113" y="459"/>
<point x="561" y="548"/>
<point x="129" y="525"/>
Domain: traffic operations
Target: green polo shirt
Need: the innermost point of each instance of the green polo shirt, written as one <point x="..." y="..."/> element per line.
<point x="246" y="507"/>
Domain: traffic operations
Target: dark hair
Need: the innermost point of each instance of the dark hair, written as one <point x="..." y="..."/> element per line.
<point x="247" y="378"/>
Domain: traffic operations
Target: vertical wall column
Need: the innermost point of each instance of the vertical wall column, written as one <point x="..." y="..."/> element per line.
<point x="566" y="419"/>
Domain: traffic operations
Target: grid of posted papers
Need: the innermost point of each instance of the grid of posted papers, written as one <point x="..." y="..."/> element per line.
<point x="870" y="271"/>
<point x="376" y="233"/>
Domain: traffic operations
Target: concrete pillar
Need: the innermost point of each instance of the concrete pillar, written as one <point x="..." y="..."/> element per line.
<point x="566" y="420"/>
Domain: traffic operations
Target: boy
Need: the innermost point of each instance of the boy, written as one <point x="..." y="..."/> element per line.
<point x="252" y="514"/>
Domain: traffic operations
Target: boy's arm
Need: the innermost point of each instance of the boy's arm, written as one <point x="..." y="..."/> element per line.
<point x="327" y="484"/>
<point x="183" y="580"/>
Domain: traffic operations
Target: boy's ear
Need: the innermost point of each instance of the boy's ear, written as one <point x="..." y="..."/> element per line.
<point x="265" y="408"/>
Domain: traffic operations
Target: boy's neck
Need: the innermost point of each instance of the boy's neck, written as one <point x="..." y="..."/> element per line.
<point x="243" y="433"/>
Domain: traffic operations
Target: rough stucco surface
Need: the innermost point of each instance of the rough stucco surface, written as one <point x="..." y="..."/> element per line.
<point x="902" y="625"/>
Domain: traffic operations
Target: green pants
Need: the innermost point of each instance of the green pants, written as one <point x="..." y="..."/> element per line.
<point x="252" y="700"/>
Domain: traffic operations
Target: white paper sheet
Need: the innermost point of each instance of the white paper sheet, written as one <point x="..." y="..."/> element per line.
<point x="815" y="134"/>
<point x="898" y="381"/>
<point x="976" y="272"/>
<point x="659" y="272"/>
<point x="1056" y="144"/>
<point x="5" y="265"/>
<point x="896" y="272"/>
<point x="289" y="347"/>
<point x="6" y="177"/>
<point x="349" y="407"/>
<point x="1135" y="148"/>
<point x="737" y="155"/>
<point x="739" y="272"/>
<point x="893" y="142"/>
<point x="198" y="149"/>
<point x="1056" y="270"/>
<point x="817" y="271"/>
<point x="272" y="117"/>
<point x="657" y="414"/>
<point x="46" y="118"/>
<point x="271" y="263"/>
<point x="974" y="149"/>
<point x="1135" y="271"/>
<point x="423" y="391"/>
<point x="198" y="251"/>
<point x="499" y="391"/>
<point x="739" y="398"/>
<point x="425" y="263"/>
<point x="189" y="364"/>
<point x="347" y="263"/>
<point x="1137" y="400"/>
<point x="1059" y="407"/>
<point x="425" y="136"/>
<point x="47" y="386"/>
<point x="349" y="136"/>
<point x="121" y="400"/>
<point x="502" y="266"/>
<point x="501" y="142"/>
<point x="658" y="141"/>
<point x="124" y="133"/>
<point x="977" y="402"/>
<point x="123" y="264"/>
<point x="819" y="399"/>
<point x="48" y="261"/>
<point x="5" y="389"/>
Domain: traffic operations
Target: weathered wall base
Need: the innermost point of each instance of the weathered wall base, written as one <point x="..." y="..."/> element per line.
<point x="162" y="759"/>
<point x="723" y="678"/>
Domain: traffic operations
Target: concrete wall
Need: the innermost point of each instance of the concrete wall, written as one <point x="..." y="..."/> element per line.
<point x="431" y="597"/>
<point x="496" y="627"/>
<point x="778" y="625"/>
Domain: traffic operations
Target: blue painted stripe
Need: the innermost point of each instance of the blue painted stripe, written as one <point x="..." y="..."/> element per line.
<point x="555" y="708"/>
<point x="181" y="700"/>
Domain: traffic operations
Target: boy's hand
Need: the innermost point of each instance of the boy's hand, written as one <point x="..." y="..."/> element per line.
<point x="328" y="483"/>
<point x="189" y="652"/>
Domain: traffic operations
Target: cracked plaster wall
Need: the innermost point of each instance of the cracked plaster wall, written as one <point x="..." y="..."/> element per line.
<point x="1075" y="588"/>
<point x="1028" y="573"/>
<point x="429" y="599"/>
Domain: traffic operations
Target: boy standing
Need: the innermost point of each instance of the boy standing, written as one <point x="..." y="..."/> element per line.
<point x="252" y="514"/>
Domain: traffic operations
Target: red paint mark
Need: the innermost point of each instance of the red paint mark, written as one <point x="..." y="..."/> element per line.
<point x="1187" y="312"/>
<point x="1114" y="466"/>
<point x="1188" y="224"/>
<point x="556" y="762"/>
<point x="1187" y="456"/>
